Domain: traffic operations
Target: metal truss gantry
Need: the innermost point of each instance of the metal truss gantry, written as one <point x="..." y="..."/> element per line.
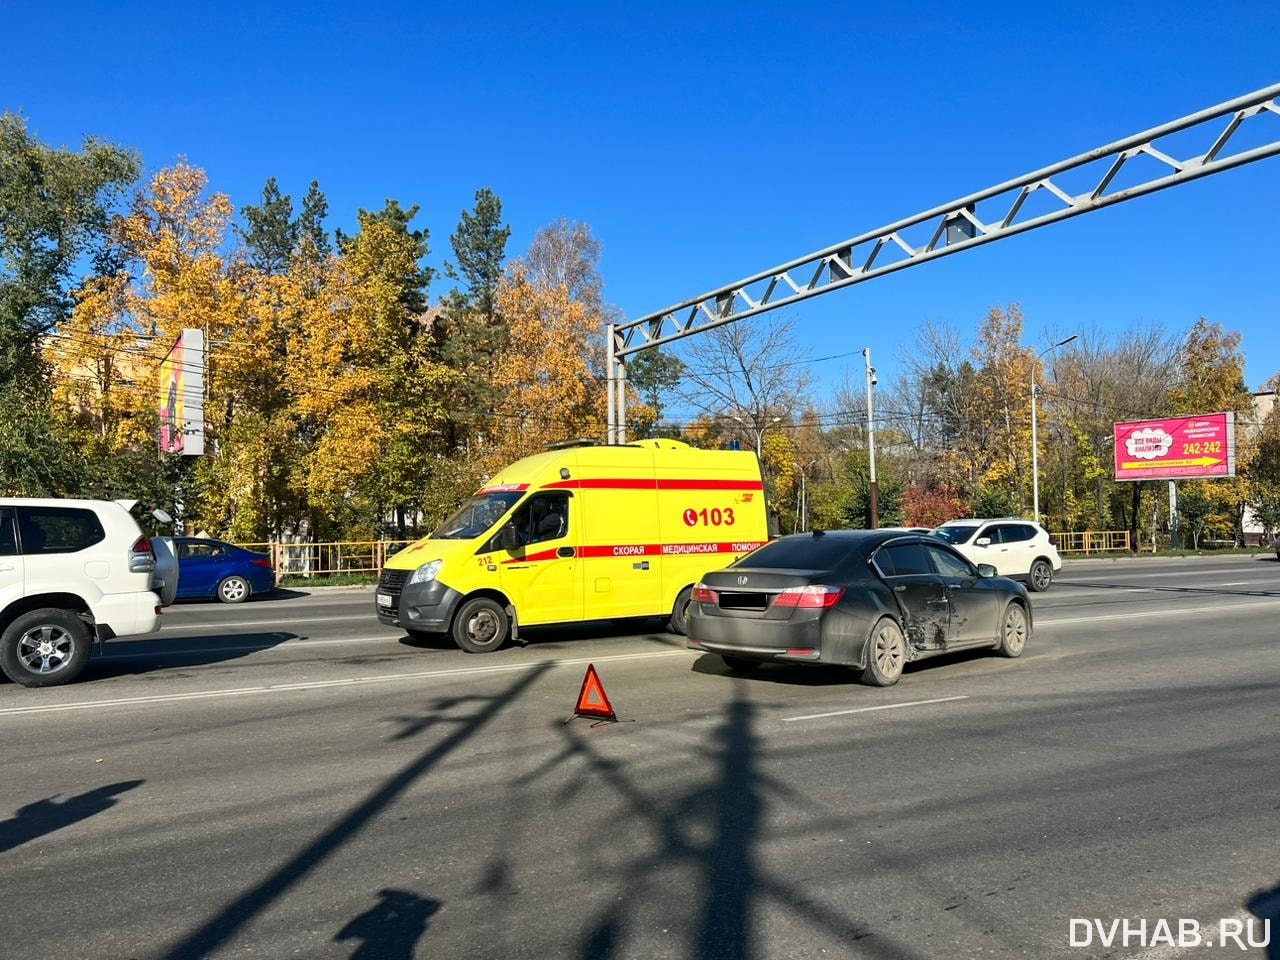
<point x="989" y="215"/>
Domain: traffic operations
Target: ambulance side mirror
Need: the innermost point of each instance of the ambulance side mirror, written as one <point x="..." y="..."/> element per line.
<point x="507" y="537"/>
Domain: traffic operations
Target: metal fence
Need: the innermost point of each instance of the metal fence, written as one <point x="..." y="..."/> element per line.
<point x="304" y="559"/>
<point x="301" y="559"/>
<point x="1092" y="541"/>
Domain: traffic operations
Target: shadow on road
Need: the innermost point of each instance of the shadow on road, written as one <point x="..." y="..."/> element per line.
<point x="548" y="637"/>
<point x="222" y="927"/>
<point x="120" y="658"/>
<point x="276" y="595"/>
<point x="47" y="815"/>
<point x="1193" y="591"/>
<point x="390" y="928"/>
<point x="811" y="675"/>
<point x="714" y="829"/>
<point x="1265" y="905"/>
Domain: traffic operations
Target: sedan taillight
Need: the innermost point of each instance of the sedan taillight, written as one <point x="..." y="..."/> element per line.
<point x="264" y="562"/>
<point x="704" y="594"/>
<point x="809" y="598"/>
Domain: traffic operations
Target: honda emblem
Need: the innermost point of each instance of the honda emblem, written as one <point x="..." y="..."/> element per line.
<point x="742" y="581"/>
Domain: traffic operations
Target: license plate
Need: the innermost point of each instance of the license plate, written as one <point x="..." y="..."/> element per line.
<point x="384" y="600"/>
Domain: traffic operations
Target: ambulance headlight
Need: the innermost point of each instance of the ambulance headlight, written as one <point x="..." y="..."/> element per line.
<point x="427" y="572"/>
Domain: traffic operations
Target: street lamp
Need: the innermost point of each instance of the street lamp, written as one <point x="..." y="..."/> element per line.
<point x="871" y="441"/>
<point x="759" y="431"/>
<point x="1035" y="442"/>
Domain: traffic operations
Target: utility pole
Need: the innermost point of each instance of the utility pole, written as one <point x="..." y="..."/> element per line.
<point x="1035" y="439"/>
<point x="871" y="442"/>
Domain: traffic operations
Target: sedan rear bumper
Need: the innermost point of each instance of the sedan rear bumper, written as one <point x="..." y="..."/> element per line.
<point x="756" y="639"/>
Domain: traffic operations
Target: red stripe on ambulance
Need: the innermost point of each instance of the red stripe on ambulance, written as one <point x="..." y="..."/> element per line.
<point x="503" y="488"/>
<point x="540" y="555"/>
<point x="665" y="549"/>
<point x="645" y="483"/>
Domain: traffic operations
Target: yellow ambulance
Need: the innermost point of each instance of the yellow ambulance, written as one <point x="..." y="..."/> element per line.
<point x="580" y="532"/>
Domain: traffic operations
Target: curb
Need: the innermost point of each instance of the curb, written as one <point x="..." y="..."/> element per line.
<point x="1150" y="557"/>
<point x="321" y="588"/>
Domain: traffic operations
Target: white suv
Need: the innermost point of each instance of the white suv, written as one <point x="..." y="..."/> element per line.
<point x="74" y="573"/>
<point x="1018" y="549"/>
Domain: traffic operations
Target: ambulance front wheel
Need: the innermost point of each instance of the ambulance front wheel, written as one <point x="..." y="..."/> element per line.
<point x="481" y="626"/>
<point x="680" y="613"/>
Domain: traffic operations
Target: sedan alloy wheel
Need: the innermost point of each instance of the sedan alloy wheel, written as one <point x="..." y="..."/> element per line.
<point x="886" y="654"/>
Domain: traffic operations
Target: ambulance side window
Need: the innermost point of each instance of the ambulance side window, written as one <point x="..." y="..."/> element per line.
<point x="548" y="517"/>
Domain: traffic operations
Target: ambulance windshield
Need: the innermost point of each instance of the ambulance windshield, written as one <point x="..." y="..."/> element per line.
<point x="476" y="516"/>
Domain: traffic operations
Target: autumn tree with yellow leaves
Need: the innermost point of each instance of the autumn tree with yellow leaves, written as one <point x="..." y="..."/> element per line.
<point x="169" y="275"/>
<point x="549" y="376"/>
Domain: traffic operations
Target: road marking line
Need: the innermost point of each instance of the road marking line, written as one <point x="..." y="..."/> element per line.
<point x="322" y="684"/>
<point x="883" y="706"/>
<point x="1181" y="612"/>
<point x="217" y="625"/>
<point x="1121" y="575"/>
<point x="1078" y="591"/>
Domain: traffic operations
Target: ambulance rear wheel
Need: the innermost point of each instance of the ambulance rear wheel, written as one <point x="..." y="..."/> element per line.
<point x="481" y="626"/>
<point x="679" y="623"/>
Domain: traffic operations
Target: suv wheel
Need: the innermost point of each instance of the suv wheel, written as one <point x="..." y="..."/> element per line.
<point x="1040" y="577"/>
<point x="44" y="648"/>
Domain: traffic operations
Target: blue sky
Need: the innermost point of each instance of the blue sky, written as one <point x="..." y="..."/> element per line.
<point x="704" y="142"/>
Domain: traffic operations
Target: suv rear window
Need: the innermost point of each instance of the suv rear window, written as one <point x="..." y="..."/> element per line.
<point x="1012" y="533"/>
<point x="8" y="542"/>
<point x="58" y="529"/>
<point x="956" y="532"/>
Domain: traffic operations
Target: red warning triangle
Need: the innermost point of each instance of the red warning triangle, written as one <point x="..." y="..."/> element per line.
<point x="592" y="700"/>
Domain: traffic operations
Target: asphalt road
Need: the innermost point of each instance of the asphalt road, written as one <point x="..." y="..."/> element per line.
<point x="288" y="778"/>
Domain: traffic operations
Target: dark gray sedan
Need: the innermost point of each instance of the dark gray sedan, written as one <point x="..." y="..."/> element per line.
<point x="868" y="599"/>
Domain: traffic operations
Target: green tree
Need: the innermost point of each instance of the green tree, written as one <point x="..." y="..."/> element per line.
<point x="654" y="374"/>
<point x="54" y="208"/>
<point x="479" y="246"/>
<point x="469" y="330"/>
<point x="270" y="232"/>
<point x="313" y="238"/>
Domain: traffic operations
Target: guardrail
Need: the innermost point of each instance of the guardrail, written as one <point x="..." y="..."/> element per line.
<point x="1092" y="541"/>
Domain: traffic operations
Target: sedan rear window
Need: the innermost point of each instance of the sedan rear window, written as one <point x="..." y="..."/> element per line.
<point x="904" y="560"/>
<point x="803" y="553"/>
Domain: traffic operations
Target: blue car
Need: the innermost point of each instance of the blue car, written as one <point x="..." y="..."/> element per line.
<point x="211" y="568"/>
